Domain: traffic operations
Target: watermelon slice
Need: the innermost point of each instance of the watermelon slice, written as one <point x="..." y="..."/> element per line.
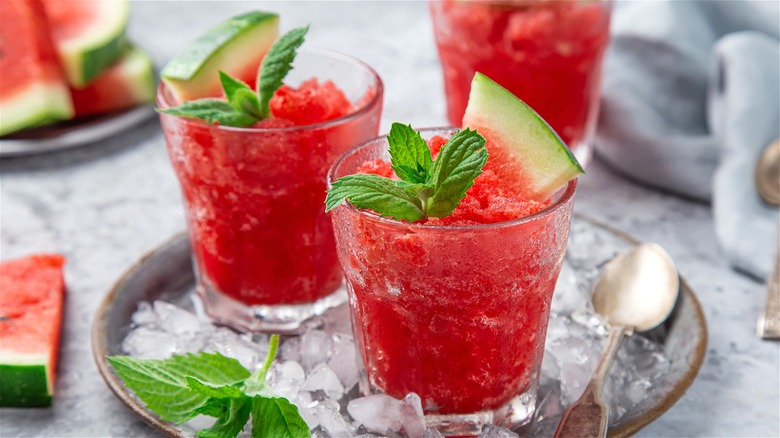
<point x="235" y="46"/>
<point x="524" y="150"/>
<point x="88" y="34"/>
<point x="126" y="83"/>
<point x="33" y="89"/>
<point x="30" y="315"/>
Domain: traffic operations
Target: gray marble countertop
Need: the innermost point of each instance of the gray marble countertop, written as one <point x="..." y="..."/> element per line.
<point x="105" y="204"/>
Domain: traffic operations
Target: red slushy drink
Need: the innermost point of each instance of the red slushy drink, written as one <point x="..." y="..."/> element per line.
<point x="254" y="196"/>
<point x="546" y="52"/>
<point x="454" y="309"/>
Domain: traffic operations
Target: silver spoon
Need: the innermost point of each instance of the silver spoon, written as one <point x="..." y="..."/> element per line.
<point x="768" y="186"/>
<point x="768" y="174"/>
<point x="635" y="291"/>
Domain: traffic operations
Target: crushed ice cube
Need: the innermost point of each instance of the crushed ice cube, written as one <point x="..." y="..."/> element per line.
<point x="147" y="343"/>
<point x="412" y="418"/>
<point x="377" y="413"/>
<point x="343" y="359"/>
<point x="491" y="431"/>
<point x="383" y="414"/>
<point x="240" y="347"/>
<point x="144" y="315"/>
<point x="315" y="345"/>
<point x="290" y="349"/>
<point x="331" y="420"/>
<point x="177" y="321"/>
<point x="323" y="378"/>
<point x="286" y="378"/>
<point x="308" y="412"/>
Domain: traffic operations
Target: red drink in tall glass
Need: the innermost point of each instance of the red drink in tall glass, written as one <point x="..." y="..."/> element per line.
<point x="262" y="244"/>
<point x="453" y="309"/>
<point x="546" y="52"/>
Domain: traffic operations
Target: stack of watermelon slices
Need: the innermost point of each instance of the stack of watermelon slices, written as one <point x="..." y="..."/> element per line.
<point x="64" y="59"/>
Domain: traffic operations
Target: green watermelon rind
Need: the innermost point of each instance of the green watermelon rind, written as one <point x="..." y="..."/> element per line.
<point x="538" y="150"/>
<point x="39" y="103"/>
<point x="87" y="55"/>
<point x="139" y="71"/>
<point x="194" y="72"/>
<point x="25" y="380"/>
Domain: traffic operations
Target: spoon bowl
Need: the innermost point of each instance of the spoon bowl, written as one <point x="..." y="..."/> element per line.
<point x="637" y="288"/>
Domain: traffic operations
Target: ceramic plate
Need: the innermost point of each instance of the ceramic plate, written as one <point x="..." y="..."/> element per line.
<point x="166" y="274"/>
<point x="66" y="135"/>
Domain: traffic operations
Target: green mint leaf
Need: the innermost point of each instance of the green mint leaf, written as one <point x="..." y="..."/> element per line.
<point x="162" y="384"/>
<point x="277" y="417"/>
<point x="213" y="407"/>
<point x="276" y="63"/>
<point x="242" y="98"/>
<point x="223" y="391"/>
<point x="232" y="420"/>
<point x="459" y="162"/>
<point x="410" y="155"/>
<point x="212" y="111"/>
<point x="380" y="194"/>
<point x="255" y="384"/>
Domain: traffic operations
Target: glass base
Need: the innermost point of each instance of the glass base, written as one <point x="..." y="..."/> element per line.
<point x="278" y="318"/>
<point x="518" y="412"/>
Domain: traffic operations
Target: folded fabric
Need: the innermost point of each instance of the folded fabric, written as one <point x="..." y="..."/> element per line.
<point x="691" y="96"/>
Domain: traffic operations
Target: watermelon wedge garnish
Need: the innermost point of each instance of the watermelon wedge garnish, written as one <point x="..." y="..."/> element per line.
<point x="31" y="302"/>
<point x="524" y="150"/>
<point x="34" y="89"/>
<point x="235" y="46"/>
<point x="88" y="35"/>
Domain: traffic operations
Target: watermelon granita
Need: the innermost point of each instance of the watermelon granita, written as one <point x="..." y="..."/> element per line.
<point x="455" y="309"/>
<point x="254" y="195"/>
<point x="31" y="302"/>
<point x="547" y="53"/>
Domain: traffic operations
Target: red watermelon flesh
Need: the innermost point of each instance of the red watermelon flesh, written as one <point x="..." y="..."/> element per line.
<point x="32" y="291"/>
<point x="33" y="88"/>
<point x="128" y="82"/>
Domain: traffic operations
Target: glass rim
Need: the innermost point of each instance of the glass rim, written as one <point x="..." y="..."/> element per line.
<point x="162" y="101"/>
<point x="566" y="195"/>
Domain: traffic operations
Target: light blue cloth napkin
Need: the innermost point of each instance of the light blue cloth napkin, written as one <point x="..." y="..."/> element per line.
<point x="691" y="96"/>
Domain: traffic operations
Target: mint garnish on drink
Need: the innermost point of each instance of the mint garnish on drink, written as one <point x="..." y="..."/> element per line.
<point x="183" y="387"/>
<point x="244" y="107"/>
<point x="427" y="187"/>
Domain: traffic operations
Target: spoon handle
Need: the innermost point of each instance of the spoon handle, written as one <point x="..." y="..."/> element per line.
<point x="587" y="417"/>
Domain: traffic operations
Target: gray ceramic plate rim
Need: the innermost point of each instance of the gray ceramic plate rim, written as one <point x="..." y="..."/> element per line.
<point x="60" y="137"/>
<point x="100" y="348"/>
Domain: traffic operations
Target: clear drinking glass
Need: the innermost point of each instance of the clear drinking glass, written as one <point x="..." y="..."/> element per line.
<point x="546" y="52"/>
<point x="456" y="314"/>
<point x="262" y="244"/>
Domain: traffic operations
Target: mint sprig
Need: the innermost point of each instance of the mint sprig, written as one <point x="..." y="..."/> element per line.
<point x="244" y="107"/>
<point x="427" y="187"/>
<point x="276" y="64"/>
<point x="182" y="387"/>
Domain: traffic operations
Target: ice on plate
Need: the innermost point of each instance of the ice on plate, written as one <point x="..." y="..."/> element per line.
<point x="318" y="371"/>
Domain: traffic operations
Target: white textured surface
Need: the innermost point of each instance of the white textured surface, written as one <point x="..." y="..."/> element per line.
<point x="106" y="204"/>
